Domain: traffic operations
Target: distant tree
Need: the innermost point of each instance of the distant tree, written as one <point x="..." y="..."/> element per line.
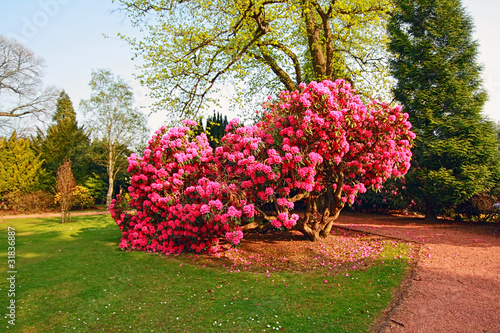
<point x="216" y="129"/>
<point x="439" y="85"/>
<point x="64" y="140"/>
<point x="113" y="120"/>
<point x="21" y="91"/>
<point x="20" y="168"/>
<point x="192" y="48"/>
<point x="99" y="181"/>
<point x="97" y="186"/>
<point x="65" y="188"/>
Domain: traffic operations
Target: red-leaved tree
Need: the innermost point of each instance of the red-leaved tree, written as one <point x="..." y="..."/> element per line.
<point x="320" y="144"/>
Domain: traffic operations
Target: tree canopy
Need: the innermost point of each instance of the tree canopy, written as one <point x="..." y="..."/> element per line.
<point x="439" y="85"/>
<point x="64" y="140"/>
<point x="191" y="49"/>
<point x="20" y="168"/>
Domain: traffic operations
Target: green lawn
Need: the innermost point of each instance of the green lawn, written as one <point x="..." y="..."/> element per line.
<point x="74" y="278"/>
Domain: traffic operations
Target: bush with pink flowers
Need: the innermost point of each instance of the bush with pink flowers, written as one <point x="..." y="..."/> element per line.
<point x="320" y="145"/>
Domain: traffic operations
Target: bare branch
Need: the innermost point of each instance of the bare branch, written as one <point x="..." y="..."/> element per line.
<point x="20" y="82"/>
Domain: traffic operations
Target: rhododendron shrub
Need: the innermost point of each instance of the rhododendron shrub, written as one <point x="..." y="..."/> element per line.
<point x="320" y="145"/>
<point x="332" y="148"/>
<point x="180" y="204"/>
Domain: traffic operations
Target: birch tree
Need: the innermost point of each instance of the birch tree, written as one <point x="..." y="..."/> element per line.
<point x="113" y="119"/>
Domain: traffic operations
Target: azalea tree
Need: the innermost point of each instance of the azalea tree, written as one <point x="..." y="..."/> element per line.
<point x="191" y="49"/>
<point x="319" y="144"/>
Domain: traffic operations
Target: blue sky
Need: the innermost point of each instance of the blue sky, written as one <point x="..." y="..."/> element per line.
<point x="68" y="34"/>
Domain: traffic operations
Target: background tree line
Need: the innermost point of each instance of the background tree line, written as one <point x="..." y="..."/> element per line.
<point x="31" y="166"/>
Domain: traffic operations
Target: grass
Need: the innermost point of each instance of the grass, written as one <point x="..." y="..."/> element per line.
<point x="73" y="277"/>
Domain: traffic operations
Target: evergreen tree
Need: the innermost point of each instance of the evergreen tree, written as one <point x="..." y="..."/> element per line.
<point x="439" y="85"/>
<point x="216" y="129"/>
<point x="64" y="140"/>
<point x="20" y="168"/>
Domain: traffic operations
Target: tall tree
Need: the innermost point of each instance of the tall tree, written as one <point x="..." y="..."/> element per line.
<point x="113" y="120"/>
<point x="64" y="140"/>
<point x="439" y="84"/>
<point x="194" y="47"/>
<point x="21" y="90"/>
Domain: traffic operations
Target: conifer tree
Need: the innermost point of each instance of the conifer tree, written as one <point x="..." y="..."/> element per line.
<point x="439" y="85"/>
<point x="64" y="140"/>
<point x="216" y="128"/>
<point x="20" y="168"/>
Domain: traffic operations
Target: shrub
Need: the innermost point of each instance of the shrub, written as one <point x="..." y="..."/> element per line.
<point x="82" y="198"/>
<point x="38" y="201"/>
<point x="97" y="186"/>
<point x="479" y="208"/>
<point x="321" y="145"/>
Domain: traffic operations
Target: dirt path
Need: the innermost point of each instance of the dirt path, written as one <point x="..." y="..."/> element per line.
<point x="456" y="283"/>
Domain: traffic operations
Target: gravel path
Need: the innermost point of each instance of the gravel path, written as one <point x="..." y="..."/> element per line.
<point x="456" y="283"/>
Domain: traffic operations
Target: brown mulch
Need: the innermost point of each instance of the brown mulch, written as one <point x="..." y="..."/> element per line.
<point x="277" y="251"/>
<point x="456" y="283"/>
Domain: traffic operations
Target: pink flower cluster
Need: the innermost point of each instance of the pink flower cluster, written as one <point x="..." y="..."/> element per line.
<point x="188" y="196"/>
<point x="235" y="236"/>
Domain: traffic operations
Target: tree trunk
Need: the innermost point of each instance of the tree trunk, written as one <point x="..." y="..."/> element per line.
<point x="316" y="231"/>
<point x="109" y="195"/>
<point x="111" y="178"/>
<point x="430" y="212"/>
<point x="315" y="225"/>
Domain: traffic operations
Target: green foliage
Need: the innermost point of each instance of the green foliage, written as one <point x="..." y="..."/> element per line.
<point x="482" y="207"/>
<point x="439" y="85"/>
<point x="216" y="129"/>
<point x="64" y="140"/>
<point x="194" y="48"/>
<point x="96" y="185"/>
<point x="81" y="198"/>
<point x="20" y="168"/>
<point x="389" y="198"/>
<point x="113" y="121"/>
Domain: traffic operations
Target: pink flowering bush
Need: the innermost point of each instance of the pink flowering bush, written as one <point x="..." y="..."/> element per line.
<point x="320" y="145"/>
<point x="180" y="204"/>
